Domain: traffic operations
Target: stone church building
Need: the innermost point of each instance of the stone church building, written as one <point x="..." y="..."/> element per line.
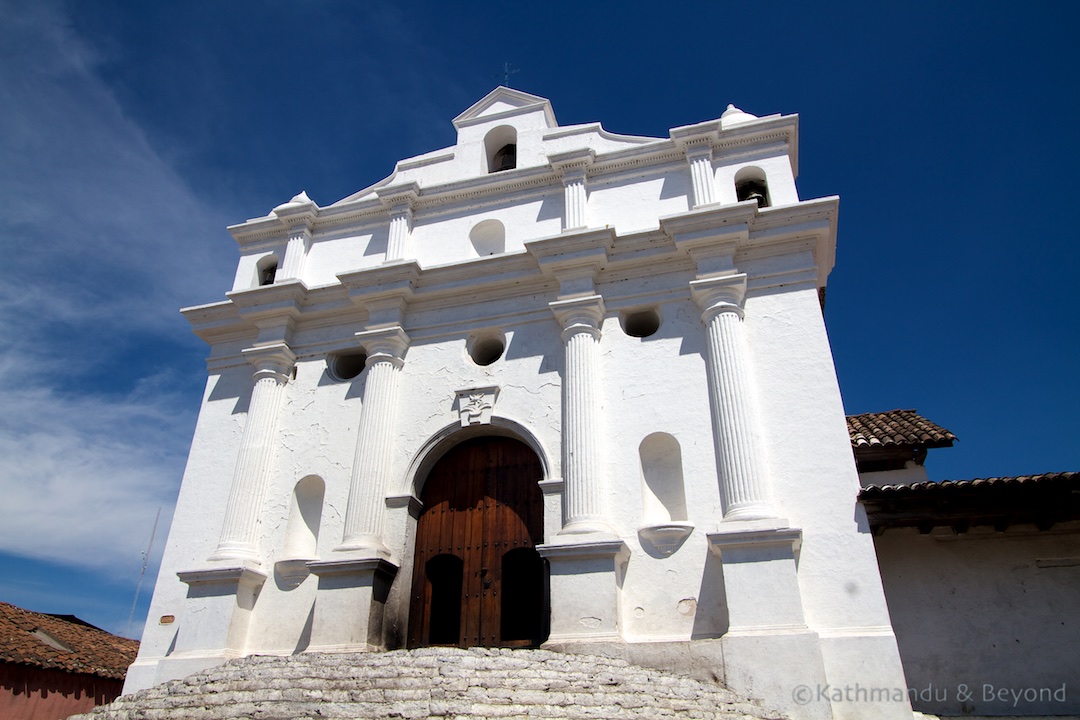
<point x="550" y="386"/>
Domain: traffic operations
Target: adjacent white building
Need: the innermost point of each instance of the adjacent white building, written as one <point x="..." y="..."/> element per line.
<point x="548" y="385"/>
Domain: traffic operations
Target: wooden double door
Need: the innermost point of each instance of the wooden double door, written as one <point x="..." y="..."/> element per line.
<point x="477" y="577"/>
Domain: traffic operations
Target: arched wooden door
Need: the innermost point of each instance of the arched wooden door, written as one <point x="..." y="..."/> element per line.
<point x="477" y="578"/>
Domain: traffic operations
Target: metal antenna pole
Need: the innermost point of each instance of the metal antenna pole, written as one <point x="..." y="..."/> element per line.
<point x="142" y="572"/>
<point x="507" y="72"/>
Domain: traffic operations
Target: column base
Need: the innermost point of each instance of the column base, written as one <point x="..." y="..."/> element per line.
<point x="349" y="604"/>
<point x="586" y="582"/>
<point x="239" y="553"/>
<point x="366" y="545"/>
<point x="781" y="667"/>
<point x="222" y="599"/>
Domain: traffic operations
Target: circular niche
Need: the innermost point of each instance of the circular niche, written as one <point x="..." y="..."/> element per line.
<point x="346" y="365"/>
<point x="486" y="347"/>
<point x="640" y="323"/>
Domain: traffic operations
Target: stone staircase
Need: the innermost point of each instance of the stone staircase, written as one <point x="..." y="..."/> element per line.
<point x="431" y="683"/>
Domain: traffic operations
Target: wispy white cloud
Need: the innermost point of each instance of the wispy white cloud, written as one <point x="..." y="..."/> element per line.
<point x="102" y="241"/>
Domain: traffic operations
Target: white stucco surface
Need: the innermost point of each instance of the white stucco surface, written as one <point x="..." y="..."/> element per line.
<point x="986" y="621"/>
<point x="393" y="271"/>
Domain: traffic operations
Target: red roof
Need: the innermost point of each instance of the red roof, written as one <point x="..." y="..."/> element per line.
<point x="63" y="643"/>
<point x="1043" y="500"/>
<point x="896" y="428"/>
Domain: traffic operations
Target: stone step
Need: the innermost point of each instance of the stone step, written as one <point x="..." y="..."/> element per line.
<point x="429" y="683"/>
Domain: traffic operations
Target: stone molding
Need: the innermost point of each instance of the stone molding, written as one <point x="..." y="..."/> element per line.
<point x="243" y="575"/>
<point x="352" y="566"/>
<point x="715" y="238"/>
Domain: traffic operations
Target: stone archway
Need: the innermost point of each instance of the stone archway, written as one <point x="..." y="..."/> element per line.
<point x="477" y="578"/>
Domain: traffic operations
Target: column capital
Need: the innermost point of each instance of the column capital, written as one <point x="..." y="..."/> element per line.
<point x="572" y="163"/>
<point x="719" y="294"/>
<point x="275" y="360"/>
<point x="578" y="315"/>
<point x="399" y="198"/>
<point x="385" y="345"/>
<point x="301" y="211"/>
<point x="698" y="149"/>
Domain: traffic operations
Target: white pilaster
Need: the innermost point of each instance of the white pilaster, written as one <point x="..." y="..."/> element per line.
<point x="254" y="466"/>
<point x="573" y="167"/>
<point x="741" y="459"/>
<point x="702" y="177"/>
<point x="582" y="436"/>
<point x="397" y="246"/>
<point x="296" y="252"/>
<point x="375" y="441"/>
<point x="399" y="199"/>
<point x="575" y="199"/>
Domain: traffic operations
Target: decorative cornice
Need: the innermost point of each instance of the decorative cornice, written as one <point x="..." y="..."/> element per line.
<point x="384" y="345"/>
<point x="394" y="197"/>
<point x="571" y="160"/>
<point x="579" y="315"/>
<point x="246" y="574"/>
<point x="614" y="549"/>
<point x="352" y="566"/>
<point x="273" y="360"/>
<point x="719" y="294"/>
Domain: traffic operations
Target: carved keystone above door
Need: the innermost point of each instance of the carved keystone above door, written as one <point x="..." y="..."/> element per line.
<point x="475" y="405"/>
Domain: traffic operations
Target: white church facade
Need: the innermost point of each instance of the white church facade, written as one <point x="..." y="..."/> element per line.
<point x="548" y="386"/>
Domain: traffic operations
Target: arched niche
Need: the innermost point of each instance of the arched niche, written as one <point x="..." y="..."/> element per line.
<point x="500" y="149"/>
<point x="663" y="493"/>
<point x="488" y="237"/>
<point x="302" y="531"/>
<point x="266" y="270"/>
<point x="752" y="184"/>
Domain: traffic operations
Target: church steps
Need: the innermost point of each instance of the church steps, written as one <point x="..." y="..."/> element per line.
<point x="444" y="683"/>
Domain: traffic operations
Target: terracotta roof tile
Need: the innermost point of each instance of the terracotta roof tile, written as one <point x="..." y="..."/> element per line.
<point x="62" y="642"/>
<point x="1043" y="500"/>
<point x="948" y="486"/>
<point x="896" y="428"/>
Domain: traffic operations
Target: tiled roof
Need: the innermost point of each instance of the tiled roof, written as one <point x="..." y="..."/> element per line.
<point x="1043" y="500"/>
<point x="954" y="486"/>
<point x="63" y="643"/>
<point x="896" y="428"/>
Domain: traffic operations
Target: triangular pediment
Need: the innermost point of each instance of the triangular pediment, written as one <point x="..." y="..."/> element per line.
<point x="504" y="102"/>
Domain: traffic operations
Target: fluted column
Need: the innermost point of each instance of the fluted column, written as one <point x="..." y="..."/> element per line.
<point x="398" y="200"/>
<point x="736" y="427"/>
<point x="575" y="198"/>
<point x="702" y="178"/>
<point x="573" y="167"/>
<point x="582" y="436"/>
<point x="374" y="442"/>
<point x="254" y="466"/>
<point x="295" y="253"/>
<point x="397" y="246"/>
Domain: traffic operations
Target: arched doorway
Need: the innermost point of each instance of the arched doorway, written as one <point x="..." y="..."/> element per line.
<point x="477" y="578"/>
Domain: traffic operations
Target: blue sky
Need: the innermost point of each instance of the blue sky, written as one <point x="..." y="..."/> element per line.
<point x="133" y="133"/>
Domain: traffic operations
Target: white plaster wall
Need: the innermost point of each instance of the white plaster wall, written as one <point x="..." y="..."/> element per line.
<point x="910" y="474"/>
<point x="356" y="250"/>
<point x="443" y="237"/>
<point x="574" y="137"/>
<point x="977" y="609"/>
<point x="815" y="485"/>
<point x="646" y="385"/>
<point x="470" y="157"/>
<point x="247" y="269"/>
<point x="778" y="175"/>
<point x="198" y="517"/>
<point x="631" y="204"/>
<point x="658" y="384"/>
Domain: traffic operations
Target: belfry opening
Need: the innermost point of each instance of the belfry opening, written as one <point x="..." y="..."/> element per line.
<point x="478" y="579"/>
